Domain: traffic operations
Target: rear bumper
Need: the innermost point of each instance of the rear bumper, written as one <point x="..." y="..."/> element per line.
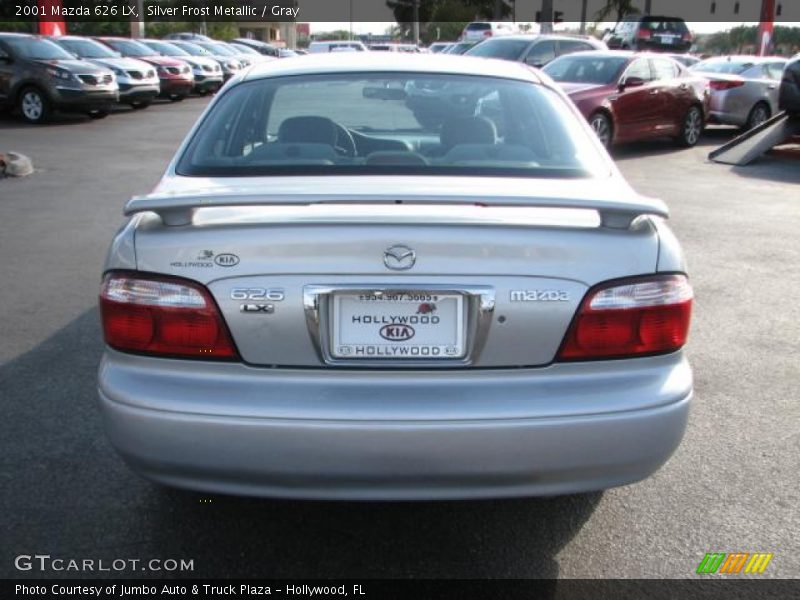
<point x="354" y="435"/>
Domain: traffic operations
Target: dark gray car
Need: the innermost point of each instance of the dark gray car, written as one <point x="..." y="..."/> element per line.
<point x="38" y="76"/>
<point x="534" y="50"/>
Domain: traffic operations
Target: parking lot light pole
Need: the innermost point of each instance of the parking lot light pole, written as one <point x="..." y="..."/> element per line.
<point x="137" y="27"/>
<point x="546" y="25"/>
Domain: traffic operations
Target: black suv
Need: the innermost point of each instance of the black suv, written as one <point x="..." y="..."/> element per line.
<point x="38" y="76"/>
<point x="660" y="34"/>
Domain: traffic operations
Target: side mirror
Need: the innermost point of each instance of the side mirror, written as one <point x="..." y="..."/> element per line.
<point x="631" y="82"/>
<point x="534" y="62"/>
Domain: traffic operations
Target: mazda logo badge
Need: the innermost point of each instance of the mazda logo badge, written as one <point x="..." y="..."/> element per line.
<point x="399" y="258"/>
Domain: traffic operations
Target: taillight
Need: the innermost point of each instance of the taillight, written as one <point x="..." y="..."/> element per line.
<point x="487" y="33"/>
<point x="725" y="84"/>
<point x="632" y="318"/>
<point x="686" y="37"/>
<point x="644" y="34"/>
<point x="163" y="315"/>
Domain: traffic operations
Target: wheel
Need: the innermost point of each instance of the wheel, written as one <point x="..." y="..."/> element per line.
<point x="34" y="105"/>
<point x="691" y="128"/>
<point x="100" y="113"/>
<point x="203" y="92"/>
<point x="603" y="128"/>
<point x="177" y="98"/>
<point x="140" y="104"/>
<point x="757" y="116"/>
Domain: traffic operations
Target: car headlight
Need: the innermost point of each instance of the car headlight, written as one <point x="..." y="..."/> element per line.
<point x="59" y="73"/>
<point x="208" y="68"/>
<point x="233" y="65"/>
<point x="119" y="72"/>
<point x="162" y="71"/>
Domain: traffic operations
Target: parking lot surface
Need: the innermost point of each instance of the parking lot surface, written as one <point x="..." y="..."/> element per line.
<point x="732" y="485"/>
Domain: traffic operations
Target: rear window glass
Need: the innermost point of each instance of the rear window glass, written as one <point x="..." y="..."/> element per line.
<point x="664" y="24"/>
<point x="479" y="26"/>
<point x="391" y="124"/>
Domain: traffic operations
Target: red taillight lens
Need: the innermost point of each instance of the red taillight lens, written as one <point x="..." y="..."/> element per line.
<point x="647" y="316"/>
<point x="163" y="315"/>
<point x="644" y="34"/>
<point x="686" y="37"/>
<point x="487" y="33"/>
<point x="725" y="85"/>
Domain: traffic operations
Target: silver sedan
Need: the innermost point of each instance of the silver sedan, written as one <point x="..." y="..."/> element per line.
<point x="323" y="299"/>
<point x="744" y="89"/>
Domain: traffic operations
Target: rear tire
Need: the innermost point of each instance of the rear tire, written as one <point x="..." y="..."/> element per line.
<point x="603" y="128"/>
<point x="758" y="115"/>
<point x="34" y="105"/>
<point x="140" y="105"/>
<point x="691" y="128"/>
<point x="177" y="98"/>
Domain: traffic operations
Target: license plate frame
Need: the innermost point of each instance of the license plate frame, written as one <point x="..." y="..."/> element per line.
<point x="478" y="307"/>
<point x="398" y="325"/>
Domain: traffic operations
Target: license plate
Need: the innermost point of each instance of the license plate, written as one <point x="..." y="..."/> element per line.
<point x="398" y="325"/>
<point x="668" y="39"/>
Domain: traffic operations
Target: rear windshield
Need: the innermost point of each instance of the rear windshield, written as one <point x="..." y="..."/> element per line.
<point x="586" y="69"/>
<point x="664" y="24"/>
<point x="500" y="48"/>
<point x="479" y="27"/>
<point x="391" y="124"/>
<point x="731" y="67"/>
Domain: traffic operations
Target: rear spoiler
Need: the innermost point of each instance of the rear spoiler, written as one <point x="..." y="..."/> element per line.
<point x="178" y="209"/>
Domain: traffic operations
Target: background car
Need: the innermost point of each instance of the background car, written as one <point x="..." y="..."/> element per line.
<point x="458" y="47"/>
<point x="230" y="60"/>
<point x="187" y="35"/>
<point x="744" y="89"/>
<point x="229" y="65"/>
<point x="534" y="50"/>
<point x="660" y="34"/>
<point x="629" y="96"/>
<point x="38" y="77"/>
<point x="137" y="80"/>
<point x="789" y="99"/>
<point x="687" y="60"/>
<point x="207" y="72"/>
<point x="437" y="47"/>
<point x="254" y="56"/>
<point x="481" y="30"/>
<point x="332" y="45"/>
<point x="259" y="46"/>
<point x="175" y="76"/>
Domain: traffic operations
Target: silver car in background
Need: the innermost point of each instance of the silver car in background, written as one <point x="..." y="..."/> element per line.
<point x="321" y="299"/>
<point x="138" y="81"/>
<point x="744" y="89"/>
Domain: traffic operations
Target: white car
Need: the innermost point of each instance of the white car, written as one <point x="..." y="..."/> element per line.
<point x="481" y="30"/>
<point x="336" y="46"/>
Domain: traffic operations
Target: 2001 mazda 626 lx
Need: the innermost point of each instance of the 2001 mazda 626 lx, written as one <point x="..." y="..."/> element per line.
<point x="324" y="298"/>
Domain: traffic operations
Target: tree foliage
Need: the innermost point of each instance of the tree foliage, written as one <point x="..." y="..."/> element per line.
<point x="619" y="9"/>
<point x="744" y="38"/>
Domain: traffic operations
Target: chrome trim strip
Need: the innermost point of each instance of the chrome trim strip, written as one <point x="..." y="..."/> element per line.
<point x="480" y="303"/>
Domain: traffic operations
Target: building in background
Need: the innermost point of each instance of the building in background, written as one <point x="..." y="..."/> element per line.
<point x="283" y="34"/>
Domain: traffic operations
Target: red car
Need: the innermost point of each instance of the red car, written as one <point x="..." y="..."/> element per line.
<point x="175" y="76"/>
<point x="629" y="96"/>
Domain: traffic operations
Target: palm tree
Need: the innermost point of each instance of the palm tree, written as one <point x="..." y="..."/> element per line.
<point x="621" y="8"/>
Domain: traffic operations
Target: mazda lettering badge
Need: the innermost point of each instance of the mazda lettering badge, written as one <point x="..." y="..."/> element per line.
<point x="399" y="258"/>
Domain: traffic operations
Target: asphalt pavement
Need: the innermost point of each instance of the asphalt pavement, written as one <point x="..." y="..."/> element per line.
<point x="731" y="486"/>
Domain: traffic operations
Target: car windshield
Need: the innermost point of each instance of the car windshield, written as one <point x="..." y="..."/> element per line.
<point x="723" y="65"/>
<point x="392" y="123"/>
<point x="131" y="48"/>
<point x="460" y="48"/>
<point x="216" y="49"/>
<point x="87" y="48"/>
<point x="37" y="49"/>
<point x="499" y="48"/>
<point x="575" y="68"/>
<point x="479" y="27"/>
<point x="242" y="49"/>
<point x="192" y="49"/>
<point x="166" y="49"/>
